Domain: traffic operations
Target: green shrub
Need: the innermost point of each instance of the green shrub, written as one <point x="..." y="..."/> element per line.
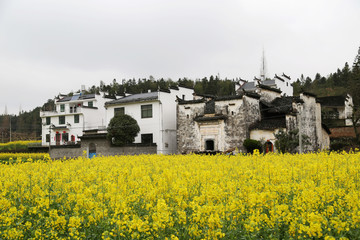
<point x="251" y="145"/>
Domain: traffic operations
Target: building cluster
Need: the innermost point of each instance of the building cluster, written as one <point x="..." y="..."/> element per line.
<point x="179" y="121"/>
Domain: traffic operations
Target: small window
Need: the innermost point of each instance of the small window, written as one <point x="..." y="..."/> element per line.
<point x="91" y="104"/>
<point x="65" y="137"/>
<point x="76" y="118"/>
<point x="146" y="111"/>
<point x="146" y="138"/>
<point x="119" y="111"/>
<point x="209" y="145"/>
<point x="47" y="138"/>
<point x="48" y="120"/>
<point x="61" y="119"/>
<point x="62" y="108"/>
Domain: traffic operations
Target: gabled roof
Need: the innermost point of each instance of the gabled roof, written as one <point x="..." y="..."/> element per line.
<point x="269" y="124"/>
<point x="333" y="100"/>
<point x="248" y="86"/>
<point x="269" y="88"/>
<point x="141" y="97"/>
<point x="77" y="97"/>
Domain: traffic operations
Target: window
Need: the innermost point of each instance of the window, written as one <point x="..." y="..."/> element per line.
<point x="146" y="111"/>
<point x="147" y="138"/>
<point x="119" y="111"/>
<point x="62" y="108"/>
<point x="65" y="137"/>
<point x="76" y="118"/>
<point x="91" y="104"/>
<point x="48" y="120"/>
<point x="61" y="119"/>
<point x="47" y="137"/>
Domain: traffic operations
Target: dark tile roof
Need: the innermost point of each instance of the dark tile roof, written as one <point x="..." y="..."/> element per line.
<point x="248" y="86"/>
<point x="183" y="102"/>
<point x="229" y="97"/>
<point x="332" y="100"/>
<point x="269" y="88"/>
<point x="309" y="94"/>
<point x="268" y="82"/>
<point x="141" y="97"/>
<point x="204" y="118"/>
<point x="281" y="105"/>
<point x="77" y="97"/>
<point x="269" y="124"/>
<point x="252" y="95"/>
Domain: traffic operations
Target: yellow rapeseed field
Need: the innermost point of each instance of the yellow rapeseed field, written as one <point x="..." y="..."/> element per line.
<point x="310" y="196"/>
<point x="24" y="157"/>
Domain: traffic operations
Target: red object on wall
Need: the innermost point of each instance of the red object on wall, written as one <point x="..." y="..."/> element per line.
<point x="57" y="132"/>
<point x="64" y="131"/>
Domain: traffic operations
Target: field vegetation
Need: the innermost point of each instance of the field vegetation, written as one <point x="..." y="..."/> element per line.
<point x="272" y="196"/>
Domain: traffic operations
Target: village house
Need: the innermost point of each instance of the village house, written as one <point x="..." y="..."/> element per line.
<point x="302" y="113"/>
<point x="155" y="113"/>
<point x="337" y="110"/>
<point x="223" y="123"/>
<point x="282" y="83"/>
<point x="72" y="116"/>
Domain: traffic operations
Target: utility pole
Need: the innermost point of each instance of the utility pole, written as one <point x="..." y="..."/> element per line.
<point x="300" y="131"/>
<point x="10" y="127"/>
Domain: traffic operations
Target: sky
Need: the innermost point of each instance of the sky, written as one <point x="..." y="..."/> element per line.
<point x="49" y="47"/>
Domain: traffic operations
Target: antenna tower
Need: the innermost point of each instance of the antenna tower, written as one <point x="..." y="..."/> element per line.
<point x="263" y="67"/>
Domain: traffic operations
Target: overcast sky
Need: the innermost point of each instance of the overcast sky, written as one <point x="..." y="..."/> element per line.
<point x="55" y="46"/>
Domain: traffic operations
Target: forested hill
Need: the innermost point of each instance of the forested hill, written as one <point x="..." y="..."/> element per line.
<point x="344" y="80"/>
<point x="27" y="125"/>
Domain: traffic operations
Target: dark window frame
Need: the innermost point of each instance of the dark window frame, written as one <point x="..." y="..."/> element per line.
<point x="76" y="118"/>
<point x="61" y="120"/>
<point x="48" y="120"/>
<point x="119" y="111"/>
<point x="146" y="111"/>
<point x="62" y="107"/>
<point x="90" y="104"/>
<point x="147" y="138"/>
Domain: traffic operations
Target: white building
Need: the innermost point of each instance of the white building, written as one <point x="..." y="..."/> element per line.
<point x="72" y="115"/>
<point x="155" y="113"/>
<point x="282" y="83"/>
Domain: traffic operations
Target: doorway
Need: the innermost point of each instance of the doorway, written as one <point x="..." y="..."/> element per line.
<point x="57" y="138"/>
<point x="269" y="147"/>
<point x="92" y="150"/>
<point x="209" y="145"/>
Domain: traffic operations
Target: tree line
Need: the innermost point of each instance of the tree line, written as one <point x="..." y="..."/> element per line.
<point x="27" y="125"/>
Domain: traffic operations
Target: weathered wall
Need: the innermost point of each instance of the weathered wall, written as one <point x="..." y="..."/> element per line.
<point x="187" y="129"/>
<point x="309" y="124"/>
<point x="103" y="148"/>
<point x="227" y="133"/>
<point x="325" y="141"/>
<point x="268" y="95"/>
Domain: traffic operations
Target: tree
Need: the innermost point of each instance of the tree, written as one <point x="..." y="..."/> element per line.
<point x="122" y="129"/>
<point x="289" y="141"/>
<point x="355" y="118"/>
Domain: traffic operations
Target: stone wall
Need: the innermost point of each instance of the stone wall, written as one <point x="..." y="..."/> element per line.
<point x="230" y="131"/>
<point x="103" y="148"/>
